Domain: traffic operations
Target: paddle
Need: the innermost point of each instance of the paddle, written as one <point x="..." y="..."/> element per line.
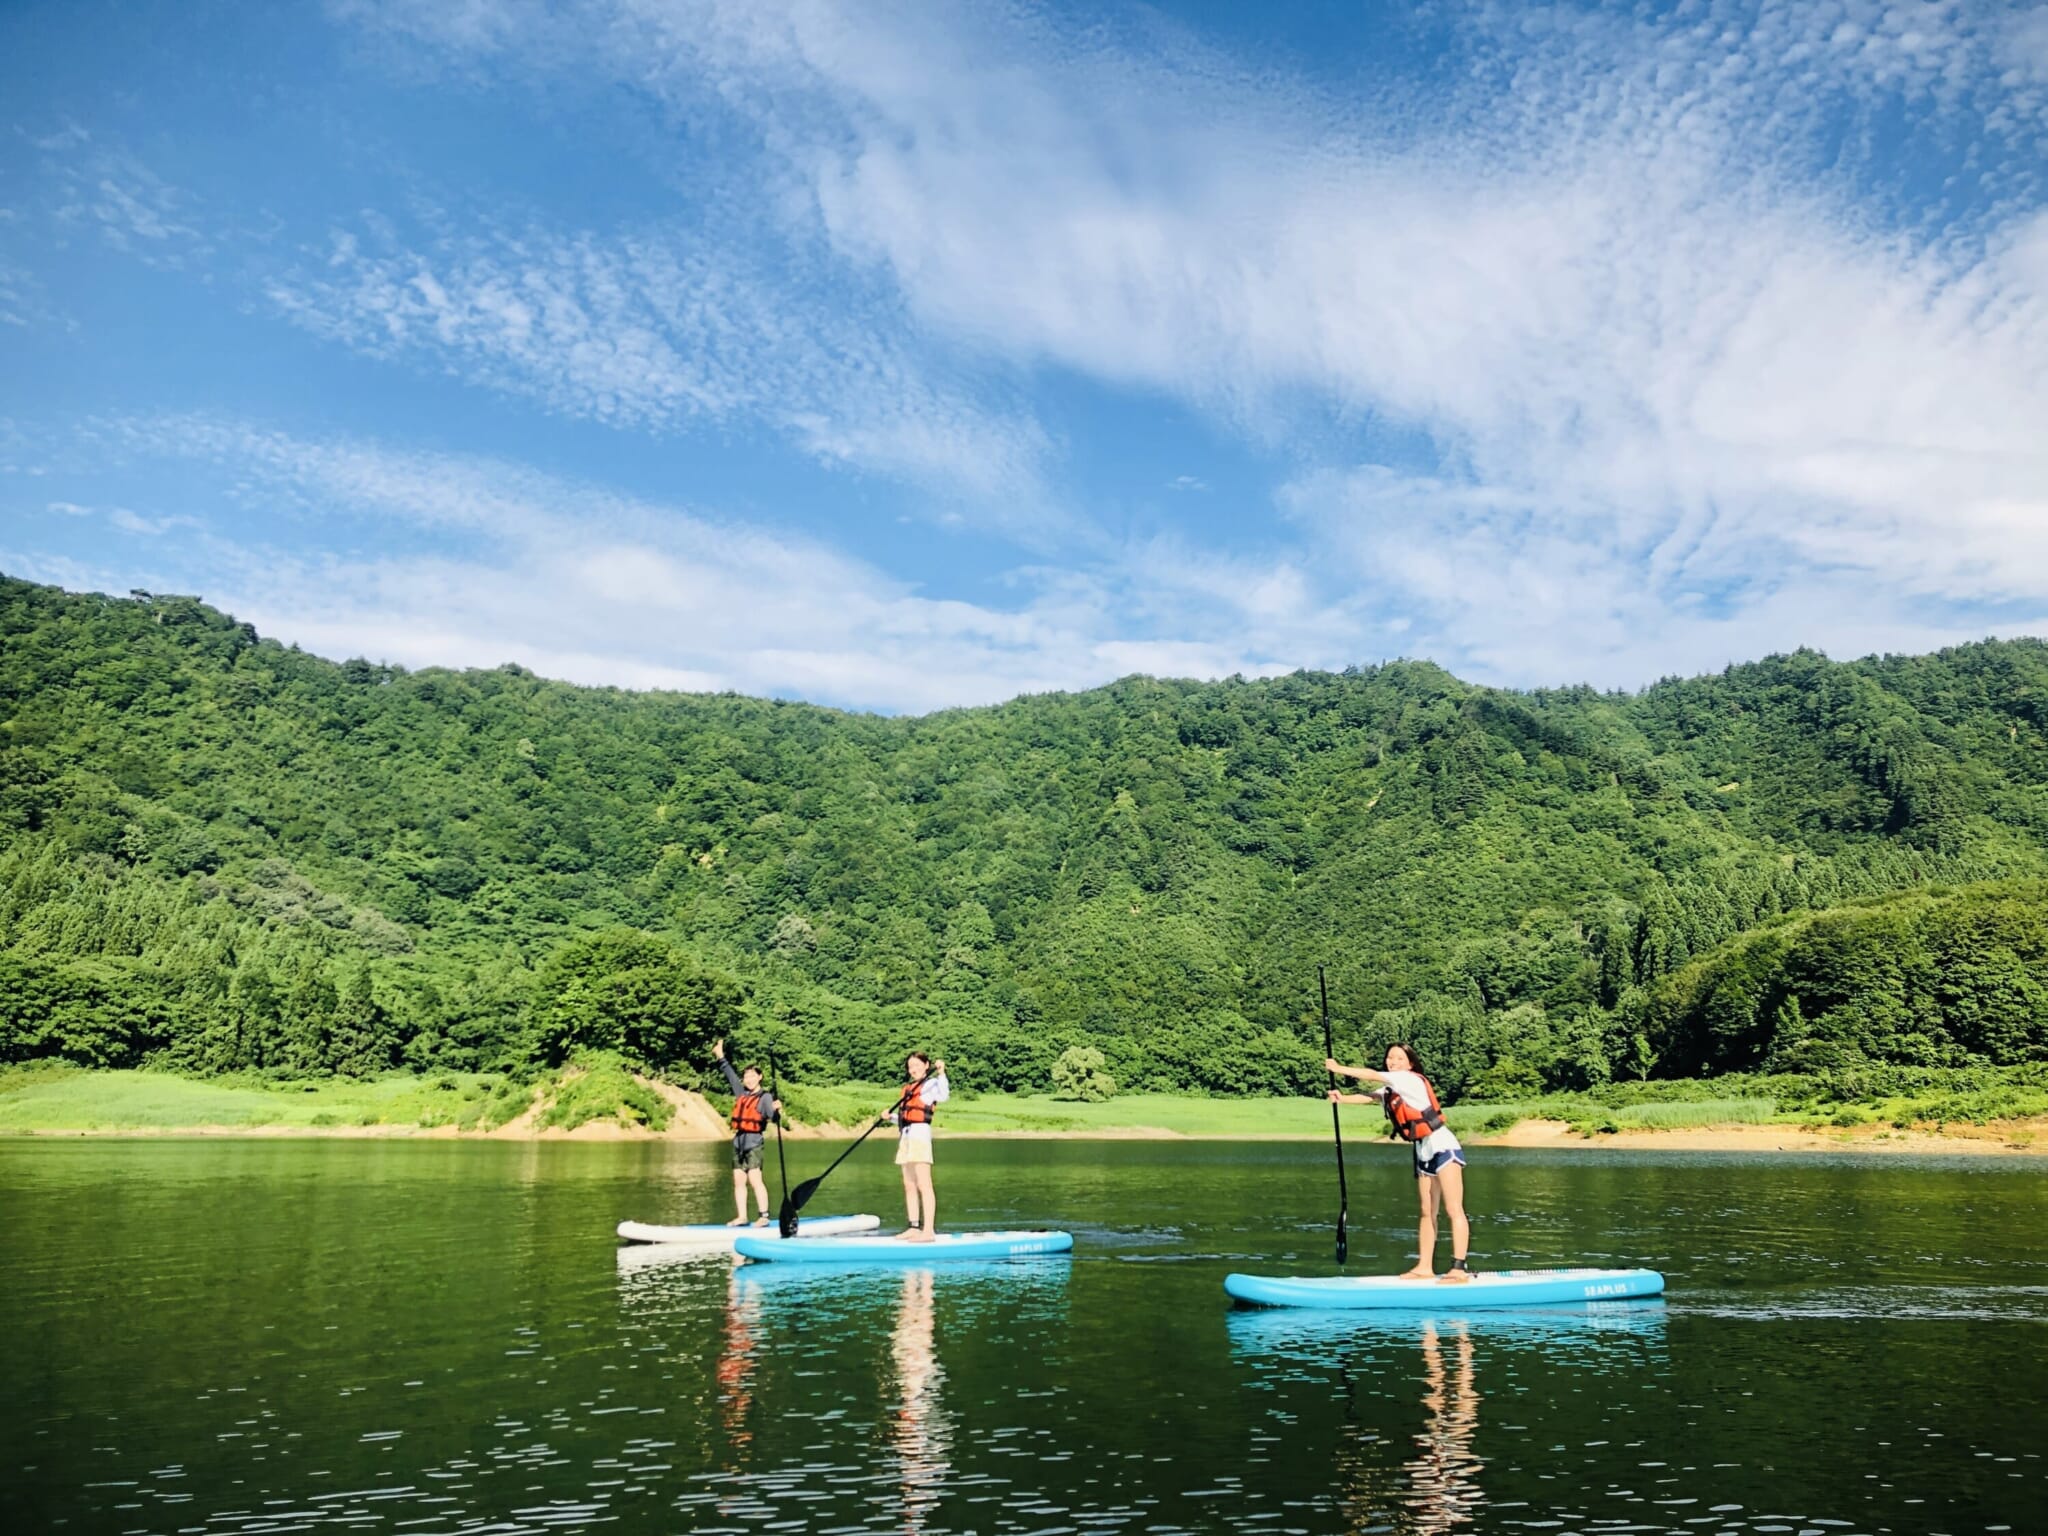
<point x="797" y="1198"/>
<point x="1336" y="1125"/>
<point x="786" y="1218"/>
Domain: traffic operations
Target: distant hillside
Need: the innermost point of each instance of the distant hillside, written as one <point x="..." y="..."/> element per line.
<point x="222" y="852"/>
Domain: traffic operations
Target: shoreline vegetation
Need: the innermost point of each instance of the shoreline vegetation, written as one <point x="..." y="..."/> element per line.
<point x="228" y="859"/>
<point x="603" y="1099"/>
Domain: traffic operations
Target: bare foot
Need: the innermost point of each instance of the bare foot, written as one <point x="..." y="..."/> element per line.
<point x="737" y="1221"/>
<point x="1419" y="1272"/>
<point x="1455" y="1277"/>
<point x="919" y="1235"/>
<point x="761" y="1220"/>
<point x="907" y="1235"/>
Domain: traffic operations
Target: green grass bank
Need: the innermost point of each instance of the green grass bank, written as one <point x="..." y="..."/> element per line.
<point x="57" y="1099"/>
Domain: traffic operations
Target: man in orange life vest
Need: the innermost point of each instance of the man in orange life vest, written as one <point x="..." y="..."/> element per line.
<point x="754" y="1109"/>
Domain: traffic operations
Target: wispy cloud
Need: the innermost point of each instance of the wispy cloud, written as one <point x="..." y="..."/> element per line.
<point x="1630" y="339"/>
<point x="488" y="562"/>
<point x="148" y="527"/>
<point x="21" y="295"/>
<point x="658" y="329"/>
<point x="99" y="187"/>
<point x="1695" y="374"/>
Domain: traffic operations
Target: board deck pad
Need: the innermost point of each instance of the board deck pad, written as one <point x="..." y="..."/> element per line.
<point x="1391" y="1293"/>
<point x="716" y="1235"/>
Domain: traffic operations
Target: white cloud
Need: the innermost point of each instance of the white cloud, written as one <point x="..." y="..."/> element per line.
<point x="69" y="509"/>
<point x="661" y="329"/>
<point x="1695" y="388"/>
<point x="1507" y="588"/>
<point x="1690" y="375"/>
<point x="1697" y="375"/>
<point x="100" y="186"/>
<point x="21" y="296"/>
<point x="148" y="527"/>
<point x="483" y="562"/>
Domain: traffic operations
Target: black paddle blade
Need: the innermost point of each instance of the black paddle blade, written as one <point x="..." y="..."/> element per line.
<point x="1343" y="1243"/>
<point x="800" y="1196"/>
<point x="786" y="1221"/>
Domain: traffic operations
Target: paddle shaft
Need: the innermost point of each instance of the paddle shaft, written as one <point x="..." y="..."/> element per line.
<point x="1336" y="1125"/>
<point x="775" y="1093"/>
<point x="796" y="1200"/>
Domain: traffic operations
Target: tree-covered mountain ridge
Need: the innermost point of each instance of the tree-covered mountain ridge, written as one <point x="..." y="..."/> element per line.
<point x="220" y="852"/>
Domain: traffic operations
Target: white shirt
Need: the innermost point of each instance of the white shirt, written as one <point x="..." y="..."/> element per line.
<point x="1414" y="1093"/>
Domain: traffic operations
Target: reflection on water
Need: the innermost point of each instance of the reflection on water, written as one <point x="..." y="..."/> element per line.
<point x="736" y="1370"/>
<point x="1434" y="1489"/>
<point x="1443" y="1478"/>
<point x="1427" y="1482"/>
<point x="919" y="1434"/>
<point x="435" y="1339"/>
<point x="1612" y="1335"/>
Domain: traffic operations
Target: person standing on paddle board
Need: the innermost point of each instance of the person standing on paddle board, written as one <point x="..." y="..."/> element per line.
<point x="1416" y="1117"/>
<point x="913" y="1116"/>
<point x="753" y="1111"/>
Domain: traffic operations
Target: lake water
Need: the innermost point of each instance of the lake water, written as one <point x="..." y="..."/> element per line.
<point x="265" y="1336"/>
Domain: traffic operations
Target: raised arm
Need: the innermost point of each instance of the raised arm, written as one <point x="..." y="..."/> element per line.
<point x="732" y="1078"/>
<point x="1363" y="1074"/>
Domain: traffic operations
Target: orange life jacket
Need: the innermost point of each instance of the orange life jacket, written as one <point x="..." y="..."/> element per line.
<point x="1409" y="1123"/>
<point x="750" y="1114"/>
<point x="915" y="1111"/>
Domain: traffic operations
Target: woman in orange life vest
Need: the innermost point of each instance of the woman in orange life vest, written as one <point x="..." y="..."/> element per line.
<point x="753" y="1111"/>
<point x="928" y="1090"/>
<point x="1411" y="1106"/>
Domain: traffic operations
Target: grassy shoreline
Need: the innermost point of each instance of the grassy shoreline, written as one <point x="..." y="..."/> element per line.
<point x="599" y="1101"/>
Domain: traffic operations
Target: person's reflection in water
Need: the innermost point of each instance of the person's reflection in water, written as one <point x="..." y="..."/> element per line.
<point x="1443" y="1480"/>
<point x="1441" y="1492"/>
<point x="919" y="1433"/>
<point x="735" y="1373"/>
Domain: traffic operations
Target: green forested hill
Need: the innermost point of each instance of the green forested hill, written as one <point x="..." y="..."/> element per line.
<point x="220" y="852"/>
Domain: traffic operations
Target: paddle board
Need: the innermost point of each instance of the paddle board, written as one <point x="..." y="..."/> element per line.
<point x="1498" y="1288"/>
<point x="713" y="1235"/>
<point x="894" y="1251"/>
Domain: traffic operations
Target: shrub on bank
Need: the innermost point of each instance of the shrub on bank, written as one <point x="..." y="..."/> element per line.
<point x="600" y="1086"/>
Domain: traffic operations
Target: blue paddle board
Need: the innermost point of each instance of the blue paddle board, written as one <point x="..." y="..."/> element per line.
<point x="894" y="1251"/>
<point x="714" y="1235"/>
<point x="1501" y="1288"/>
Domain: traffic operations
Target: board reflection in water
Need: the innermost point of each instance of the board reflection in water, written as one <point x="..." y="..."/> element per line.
<point x="1427" y="1481"/>
<point x="829" y="1384"/>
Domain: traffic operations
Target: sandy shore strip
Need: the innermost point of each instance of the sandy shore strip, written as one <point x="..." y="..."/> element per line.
<point x="2024" y="1138"/>
<point x="2013" y="1138"/>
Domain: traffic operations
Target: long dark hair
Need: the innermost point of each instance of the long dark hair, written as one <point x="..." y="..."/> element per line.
<point x="1414" y="1060"/>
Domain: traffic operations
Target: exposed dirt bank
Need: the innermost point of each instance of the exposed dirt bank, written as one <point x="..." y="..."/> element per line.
<point x="2019" y="1137"/>
<point x="697" y="1120"/>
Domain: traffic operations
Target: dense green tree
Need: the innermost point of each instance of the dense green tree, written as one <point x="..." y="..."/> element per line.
<point x="1078" y="1075"/>
<point x="223" y="854"/>
<point x="632" y="993"/>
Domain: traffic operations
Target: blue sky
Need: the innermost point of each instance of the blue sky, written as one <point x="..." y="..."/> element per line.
<point x="907" y="356"/>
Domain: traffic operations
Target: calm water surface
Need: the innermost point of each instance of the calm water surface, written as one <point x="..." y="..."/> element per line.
<point x="267" y="1336"/>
